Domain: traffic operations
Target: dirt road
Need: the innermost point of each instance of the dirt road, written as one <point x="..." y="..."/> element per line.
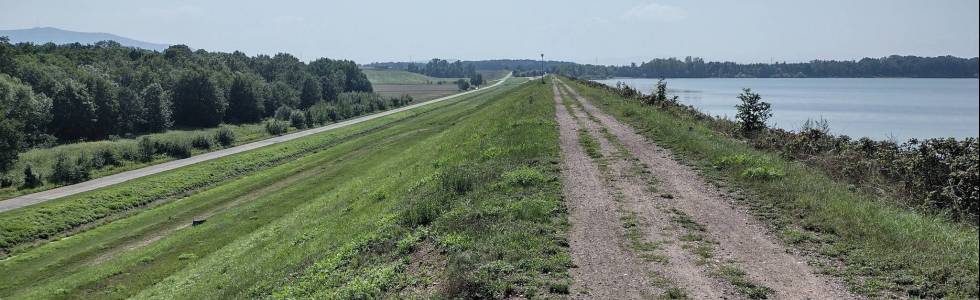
<point x="674" y="233"/>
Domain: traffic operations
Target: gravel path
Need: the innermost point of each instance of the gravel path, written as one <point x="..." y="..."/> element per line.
<point x="739" y="237"/>
<point x="604" y="268"/>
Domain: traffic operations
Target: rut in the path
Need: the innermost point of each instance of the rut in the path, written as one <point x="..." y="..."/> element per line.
<point x="604" y="268"/>
<point x="740" y="238"/>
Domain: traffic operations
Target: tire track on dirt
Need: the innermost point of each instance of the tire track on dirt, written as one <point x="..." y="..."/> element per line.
<point x="604" y="268"/>
<point x="659" y="238"/>
<point x="740" y="238"/>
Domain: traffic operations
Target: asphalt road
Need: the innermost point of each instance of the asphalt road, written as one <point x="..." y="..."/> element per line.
<point x="68" y="190"/>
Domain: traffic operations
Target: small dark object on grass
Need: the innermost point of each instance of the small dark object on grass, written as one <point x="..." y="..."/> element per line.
<point x="198" y="222"/>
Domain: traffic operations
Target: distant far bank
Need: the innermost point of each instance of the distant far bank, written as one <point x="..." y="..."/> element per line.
<point x="894" y="66"/>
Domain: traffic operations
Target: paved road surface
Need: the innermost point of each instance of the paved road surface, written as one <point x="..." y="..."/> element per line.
<point x="39" y="197"/>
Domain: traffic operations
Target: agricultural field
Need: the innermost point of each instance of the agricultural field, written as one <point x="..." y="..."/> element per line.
<point x="419" y="92"/>
<point x="476" y="189"/>
<point x="389" y="76"/>
<point x="394" y="83"/>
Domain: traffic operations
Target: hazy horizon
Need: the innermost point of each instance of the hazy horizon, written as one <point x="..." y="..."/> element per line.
<point x="584" y="32"/>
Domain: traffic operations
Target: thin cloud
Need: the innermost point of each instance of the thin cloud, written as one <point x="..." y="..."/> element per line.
<point x="656" y="12"/>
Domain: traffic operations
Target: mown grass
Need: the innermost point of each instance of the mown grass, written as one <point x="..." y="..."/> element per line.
<point x="50" y="219"/>
<point x="387" y="76"/>
<point x="345" y="221"/>
<point x="885" y="249"/>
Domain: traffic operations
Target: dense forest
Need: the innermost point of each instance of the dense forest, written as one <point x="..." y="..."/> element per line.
<point x="52" y="94"/>
<point x="694" y="67"/>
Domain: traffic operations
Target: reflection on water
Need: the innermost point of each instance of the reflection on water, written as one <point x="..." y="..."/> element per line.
<point x="881" y="108"/>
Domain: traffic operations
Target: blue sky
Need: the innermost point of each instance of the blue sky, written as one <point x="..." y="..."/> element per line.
<point x="607" y="32"/>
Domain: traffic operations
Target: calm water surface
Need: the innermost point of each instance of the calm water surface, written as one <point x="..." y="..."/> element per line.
<point x="881" y="108"/>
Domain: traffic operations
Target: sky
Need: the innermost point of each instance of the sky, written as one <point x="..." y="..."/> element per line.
<point x="604" y="32"/>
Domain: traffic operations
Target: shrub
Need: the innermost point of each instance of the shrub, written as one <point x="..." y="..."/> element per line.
<point x="145" y="149"/>
<point x="297" y="119"/>
<point x="276" y="127"/>
<point x="752" y="112"/>
<point x="283" y="113"/>
<point x="321" y="113"/>
<point x="459" y="180"/>
<point x="762" y="173"/>
<point x="813" y="139"/>
<point x="104" y="157"/>
<point x="225" y="136"/>
<point x="65" y="171"/>
<point x="31" y="178"/>
<point x="737" y="160"/>
<point x="6" y="181"/>
<point x="523" y="176"/>
<point x="177" y="148"/>
<point x="202" y="142"/>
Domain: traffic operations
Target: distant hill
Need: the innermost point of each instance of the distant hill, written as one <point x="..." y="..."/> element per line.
<point x="42" y="35"/>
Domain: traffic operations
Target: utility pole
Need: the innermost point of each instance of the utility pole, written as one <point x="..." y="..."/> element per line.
<point x="542" y="68"/>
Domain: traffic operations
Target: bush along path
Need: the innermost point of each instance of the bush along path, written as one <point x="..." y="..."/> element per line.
<point x="681" y="235"/>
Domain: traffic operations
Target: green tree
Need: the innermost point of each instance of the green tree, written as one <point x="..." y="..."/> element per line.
<point x="311" y="93"/>
<point x="131" y="111"/>
<point x="103" y="93"/>
<point x="73" y="111"/>
<point x="7" y="62"/>
<point x="198" y="101"/>
<point x="752" y="112"/>
<point x="476" y="79"/>
<point x="245" y="100"/>
<point x="157" y="109"/>
<point x="280" y="94"/>
<point x="10" y="143"/>
<point x="462" y="84"/>
<point x="30" y="111"/>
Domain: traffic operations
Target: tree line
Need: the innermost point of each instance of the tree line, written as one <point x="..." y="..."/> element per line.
<point x="52" y="94"/>
<point x="695" y="67"/>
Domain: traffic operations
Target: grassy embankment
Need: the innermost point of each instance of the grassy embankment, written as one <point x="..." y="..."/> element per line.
<point x="460" y="200"/>
<point x="884" y="249"/>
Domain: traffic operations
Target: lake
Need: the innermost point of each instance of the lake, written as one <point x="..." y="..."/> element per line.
<point x="880" y="108"/>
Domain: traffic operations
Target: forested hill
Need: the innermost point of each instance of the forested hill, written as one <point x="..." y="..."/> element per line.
<point x="694" y="67"/>
<point x="61" y="93"/>
<point x="44" y="35"/>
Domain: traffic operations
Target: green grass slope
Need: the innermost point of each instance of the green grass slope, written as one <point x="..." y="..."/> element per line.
<point x="459" y="200"/>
